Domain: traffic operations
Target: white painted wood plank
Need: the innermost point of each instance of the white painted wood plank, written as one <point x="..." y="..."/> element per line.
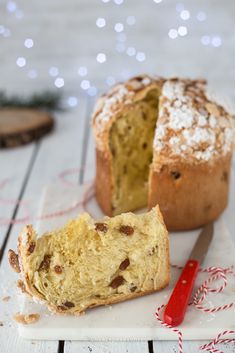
<point x="60" y="150"/>
<point x="100" y="347"/>
<point x="16" y="344"/>
<point x="89" y="173"/>
<point x="106" y="347"/>
<point x="13" y="168"/>
<point x="188" y="347"/>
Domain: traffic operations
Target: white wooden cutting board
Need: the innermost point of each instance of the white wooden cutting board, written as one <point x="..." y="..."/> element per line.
<point x="134" y="319"/>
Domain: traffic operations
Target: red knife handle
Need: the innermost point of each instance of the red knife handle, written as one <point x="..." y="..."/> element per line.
<point x="178" y="302"/>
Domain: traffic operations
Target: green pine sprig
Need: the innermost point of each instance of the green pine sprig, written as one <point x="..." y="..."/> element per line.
<point x="44" y="100"/>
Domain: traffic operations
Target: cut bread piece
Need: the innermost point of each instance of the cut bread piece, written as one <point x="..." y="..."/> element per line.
<point x="88" y="263"/>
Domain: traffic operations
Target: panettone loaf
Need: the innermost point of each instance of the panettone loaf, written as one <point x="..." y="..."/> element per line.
<point x="88" y="263"/>
<point x="163" y="142"/>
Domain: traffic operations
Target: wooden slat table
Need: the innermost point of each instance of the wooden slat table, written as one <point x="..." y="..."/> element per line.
<point x="28" y="169"/>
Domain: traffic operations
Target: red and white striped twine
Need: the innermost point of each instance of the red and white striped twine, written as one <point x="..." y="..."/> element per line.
<point x="88" y="195"/>
<point x="216" y="273"/>
<point x="218" y="340"/>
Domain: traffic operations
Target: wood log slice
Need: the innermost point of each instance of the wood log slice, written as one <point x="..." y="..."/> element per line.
<point x="20" y="126"/>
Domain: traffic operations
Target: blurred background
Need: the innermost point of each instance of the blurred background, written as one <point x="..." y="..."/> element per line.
<point x="81" y="46"/>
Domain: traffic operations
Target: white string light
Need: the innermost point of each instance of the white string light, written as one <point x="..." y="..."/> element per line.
<point x="101" y="58"/>
<point x="85" y="84"/>
<point x="140" y="56"/>
<point x="182" y="31"/>
<point x="53" y="71"/>
<point x="59" y="82"/>
<point x="131" y="51"/>
<point x="82" y="71"/>
<point x="216" y="41"/>
<point x="21" y="61"/>
<point x="11" y="6"/>
<point x="122" y="45"/>
<point x="185" y="15"/>
<point x="28" y="43"/>
<point x="100" y="22"/>
<point x="72" y="101"/>
<point x="118" y="27"/>
<point x="173" y="33"/>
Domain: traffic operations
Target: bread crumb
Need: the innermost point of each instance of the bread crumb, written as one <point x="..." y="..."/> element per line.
<point x="21" y="286"/>
<point x="1" y="323"/>
<point x="26" y="319"/>
<point x="6" y="299"/>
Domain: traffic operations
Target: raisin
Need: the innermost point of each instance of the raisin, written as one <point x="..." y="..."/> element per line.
<point x="175" y="175"/>
<point x="128" y="230"/>
<point x="61" y="307"/>
<point x="224" y="177"/>
<point x="143" y="115"/>
<point x="45" y="262"/>
<point x="31" y="248"/>
<point x="137" y="78"/>
<point x="58" y="269"/>
<point x="68" y="304"/>
<point x="124" y="264"/>
<point x="144" y="146"/>
<point x="113" y="151"/>
<point x="102" y="227"/>
<point x="153" y="250"/>
<point x="14" y="260"/>
<point x="133" y="289"/>
<point x="116" y="282"/>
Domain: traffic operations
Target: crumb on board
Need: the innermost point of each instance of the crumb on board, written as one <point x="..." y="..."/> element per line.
<point x="1" y="323"/>
<point x="6" y="299"/>
<point x="26" y="319"/>
<point x="21" y="286"/>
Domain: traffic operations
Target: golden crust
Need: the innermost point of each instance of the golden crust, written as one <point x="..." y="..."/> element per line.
<point x="190" y="196"/>
<point x="103" y="182"/>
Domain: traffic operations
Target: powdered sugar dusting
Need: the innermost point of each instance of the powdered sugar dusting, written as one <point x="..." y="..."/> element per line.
<point x="121" y="95"/>
<point x="189" y="124"/>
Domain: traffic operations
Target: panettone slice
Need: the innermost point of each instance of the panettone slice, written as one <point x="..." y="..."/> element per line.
<point x="88" y="263"/>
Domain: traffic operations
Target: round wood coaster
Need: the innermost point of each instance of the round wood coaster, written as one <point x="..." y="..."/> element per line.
<point x="21" y="126"/>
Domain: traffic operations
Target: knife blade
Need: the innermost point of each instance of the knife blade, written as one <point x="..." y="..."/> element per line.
<point x="179" y="299"/>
